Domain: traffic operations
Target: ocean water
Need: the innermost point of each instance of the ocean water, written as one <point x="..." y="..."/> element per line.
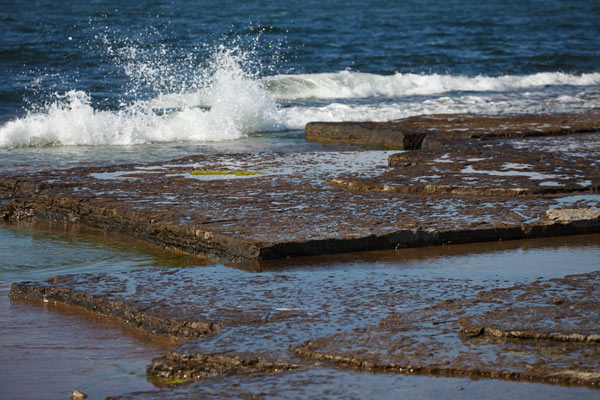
<point x="133" y="80"/>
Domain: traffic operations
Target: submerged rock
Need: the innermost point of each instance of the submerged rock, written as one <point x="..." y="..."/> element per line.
<point x="501" y="333"/>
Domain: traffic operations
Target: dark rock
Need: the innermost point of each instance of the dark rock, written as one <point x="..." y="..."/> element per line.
<point x="306" y="204"/>
<point x="435" y="131"/>
<point x="180" y="367"/>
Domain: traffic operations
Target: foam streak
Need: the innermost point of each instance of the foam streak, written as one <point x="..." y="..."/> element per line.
<point x="348" y="84"/>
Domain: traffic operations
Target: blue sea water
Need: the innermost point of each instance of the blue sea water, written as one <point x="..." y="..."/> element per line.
<point x="173" y="74"/>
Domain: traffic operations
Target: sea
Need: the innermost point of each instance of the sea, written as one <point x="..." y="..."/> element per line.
<point x="156" y="79"/>
<point x="148" y="80"/>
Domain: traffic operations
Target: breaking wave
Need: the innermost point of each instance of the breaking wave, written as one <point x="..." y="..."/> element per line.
<point x="348" y="84"/>
<point x="228" y="103"/>
<point x="225" y="102"/>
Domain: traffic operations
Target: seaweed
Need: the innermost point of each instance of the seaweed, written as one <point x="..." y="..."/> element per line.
<point x="221" y="172"/>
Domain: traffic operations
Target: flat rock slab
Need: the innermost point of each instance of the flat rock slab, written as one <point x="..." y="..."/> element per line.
<point x="338" y="384"/>
<point x="563" y="310"/>
<point x="236" y="322"/>
<point x="363" y="318"/>
<point x="435" y="131"/>
<point x="505" y="168"/>
<point x="287" y="307"/>
<point x="459" y="337"/>
<point x="284" y="204"/>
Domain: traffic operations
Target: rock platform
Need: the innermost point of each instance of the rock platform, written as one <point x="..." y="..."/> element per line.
<point x="543" y="331"/>
<point x="439" y="130"/>
<point x="470" y="180"/>
<point x="349" y="315"/>
<point x="266" y="205"/>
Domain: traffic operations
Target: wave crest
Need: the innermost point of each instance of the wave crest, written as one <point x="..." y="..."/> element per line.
<point x="351" y="85"/>
<point x="228" y="103"/>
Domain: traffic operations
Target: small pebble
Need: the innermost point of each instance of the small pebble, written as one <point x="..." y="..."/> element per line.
<point x="76" y="394"/>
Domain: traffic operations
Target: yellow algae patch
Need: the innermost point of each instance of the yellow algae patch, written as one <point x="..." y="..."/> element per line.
<point x="167" y="382"/>
<point x="220" y="172"/>
<point x="176" y="381"/>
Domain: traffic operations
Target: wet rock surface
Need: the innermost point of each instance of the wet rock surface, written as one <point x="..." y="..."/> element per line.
<point x="475" y="179"/>
<point x="436" y="131"/>
<point x="337" y="383"/>
<point x="503" y="168"/>
<point x="186" y="367"/>
<point x="502" y="333"/>
<point x="373" y="317"/>
<point x="261" y="313"/>
<point x="324" y="202"/>
<point x="133" y="316"/>
<point x="563" y="310"/>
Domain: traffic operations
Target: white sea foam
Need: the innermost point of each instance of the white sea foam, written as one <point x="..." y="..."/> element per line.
<point x="225" y="102"/>
<point x="348" y="84"/>
<point x="514" y="101"/>
<point x="232" y="105"/>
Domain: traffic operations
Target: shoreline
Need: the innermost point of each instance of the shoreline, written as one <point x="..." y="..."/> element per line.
<point x="269" y="313"/>
<point x="283" y="327"/>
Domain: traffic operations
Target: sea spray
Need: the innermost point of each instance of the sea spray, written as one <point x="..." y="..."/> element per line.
<point x="228" y="102"/>
<point x="239" y="103"/>
<point x="223" y="94"/>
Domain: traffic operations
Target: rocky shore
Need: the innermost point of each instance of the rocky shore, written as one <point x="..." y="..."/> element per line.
<point x="451" y="179"/>
<point x="497" y="185"/>
<point x="437" y="131"/>
<point x="543" y="331"/>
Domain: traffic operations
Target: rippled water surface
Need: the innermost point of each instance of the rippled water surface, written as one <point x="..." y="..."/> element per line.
<point x="50" y="350"/>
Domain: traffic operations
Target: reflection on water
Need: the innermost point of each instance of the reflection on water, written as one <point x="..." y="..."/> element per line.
<point x="512" y="261"/>
<point x="40" y="251"/>
<point x="48" y="350"/>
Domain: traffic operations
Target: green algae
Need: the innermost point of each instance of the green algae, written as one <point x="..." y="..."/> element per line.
<point x="167" y="382"/>
<point x="221" y="172"/>
<point x="177" y="381"/>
